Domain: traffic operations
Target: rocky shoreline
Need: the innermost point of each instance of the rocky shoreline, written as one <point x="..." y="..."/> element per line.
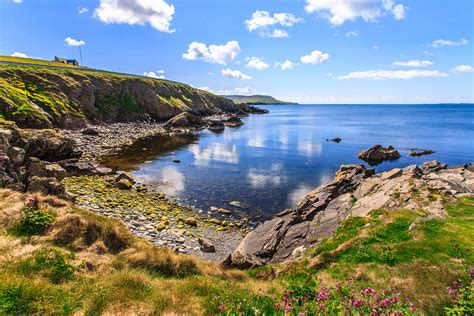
<point x="65" y="163"/>
<point x="355" y="191"/>
<point x="158" y="218"/>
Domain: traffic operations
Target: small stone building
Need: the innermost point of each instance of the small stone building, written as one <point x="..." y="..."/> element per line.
<point x="66" y="61"/>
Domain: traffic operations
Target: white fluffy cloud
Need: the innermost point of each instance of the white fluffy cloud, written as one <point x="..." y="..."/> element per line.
<point x="441" y="43"/>
<point x="339" y="11"/>
<point x="263" y="19"/>
<point x="72" y="42"/>
<point x="17" y="54"/>
<point x="277" y="33"/>
<point x="158" y="13"/>
<point x="286" y="65"/>
<point x="82" y="10"/>
<point x="227" y="72"/>
<point x="316" y="57"/>
<point x="463" y="68"/>
<point x="217" y="54"/>
<point x="352" y="34"/>
<point x="257" y="63"/>
<point x="398" y="12"/>
<point x="390" y="74"/>
<point x="243" y="90"/>
<point x="413" y="63"/>
<point x="160" y="74"/>
<point x="206" y="89"/>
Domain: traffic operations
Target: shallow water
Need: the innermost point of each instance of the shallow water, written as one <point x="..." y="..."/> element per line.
<point x="275" y="159"/>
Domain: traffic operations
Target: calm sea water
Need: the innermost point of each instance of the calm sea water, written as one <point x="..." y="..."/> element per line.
<point x="275" y="159"/>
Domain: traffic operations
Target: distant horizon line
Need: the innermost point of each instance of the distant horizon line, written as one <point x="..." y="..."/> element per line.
<point x="440" y="103"/>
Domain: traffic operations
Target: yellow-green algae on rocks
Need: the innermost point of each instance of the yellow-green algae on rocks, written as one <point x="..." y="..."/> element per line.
<point x="102" y="195"/>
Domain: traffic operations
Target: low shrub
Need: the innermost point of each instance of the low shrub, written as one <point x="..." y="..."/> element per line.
<point x="33" y="219"/>
<point x="50" y="263"/>
<point x="14" y="300"/>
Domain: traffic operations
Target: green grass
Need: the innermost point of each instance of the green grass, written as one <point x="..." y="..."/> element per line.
<point x="49" y="263"/>
<point x="34" y="221"/>
<point x="380" y="251"/>
<point x="349" y="229"/>
<point x="34" y="61"/>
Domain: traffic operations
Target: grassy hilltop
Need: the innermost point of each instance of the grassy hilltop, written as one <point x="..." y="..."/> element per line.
<point x="56" y="258"/>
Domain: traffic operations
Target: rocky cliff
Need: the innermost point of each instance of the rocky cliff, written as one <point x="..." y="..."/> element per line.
<point x="38" y="97"/>
<point x="355" y="191"/>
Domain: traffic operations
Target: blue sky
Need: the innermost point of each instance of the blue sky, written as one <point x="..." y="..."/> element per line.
<point x="309" y="51"/>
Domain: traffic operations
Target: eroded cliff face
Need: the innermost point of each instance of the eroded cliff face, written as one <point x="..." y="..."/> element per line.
<point x="44" y="98"/>
<point x="355" y="191"/>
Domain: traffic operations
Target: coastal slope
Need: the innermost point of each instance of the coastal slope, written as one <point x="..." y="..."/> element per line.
<point x="42" y="97"/>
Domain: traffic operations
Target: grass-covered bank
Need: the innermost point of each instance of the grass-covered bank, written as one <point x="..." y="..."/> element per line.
<point x="58" y="259"/>
<point x="41" y="97"/>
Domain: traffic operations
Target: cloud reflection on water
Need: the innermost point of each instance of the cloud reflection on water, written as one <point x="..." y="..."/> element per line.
<point x="168" y="180"/>
<point x="295" y="196"/>
<point x="259" y="178"/>
<point x="216" y="151"/>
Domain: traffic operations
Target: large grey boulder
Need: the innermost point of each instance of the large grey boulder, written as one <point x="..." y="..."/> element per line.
<point x="185" y="120"/>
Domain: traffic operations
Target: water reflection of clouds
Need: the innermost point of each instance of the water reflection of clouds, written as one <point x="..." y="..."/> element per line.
<point x="259" y="178"/>
<point x="325" y="176"/>
<point x="256" y="141"/>
<point x="283" y="139"/>
<point x="216" y="152"/>
<point x="295" y="196"/>
<point x="168" y="180"/>
<point x="310" y="149"/>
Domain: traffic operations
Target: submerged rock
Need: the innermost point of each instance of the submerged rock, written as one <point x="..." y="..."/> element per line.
<point x="255" y="110"/>
<point x="378" y="153"/>
<point x="233" y="121"/>
<point x="216" y="126"/>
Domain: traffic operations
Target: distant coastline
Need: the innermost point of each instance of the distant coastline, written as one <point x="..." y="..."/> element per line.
<point x="256" y="99"/>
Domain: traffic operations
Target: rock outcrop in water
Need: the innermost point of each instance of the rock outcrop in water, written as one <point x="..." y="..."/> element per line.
<point x="420" y="152"/>
<point x="185" y="120"/>
<point x="355" y="191"/>
<point x="378" y="153"/>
